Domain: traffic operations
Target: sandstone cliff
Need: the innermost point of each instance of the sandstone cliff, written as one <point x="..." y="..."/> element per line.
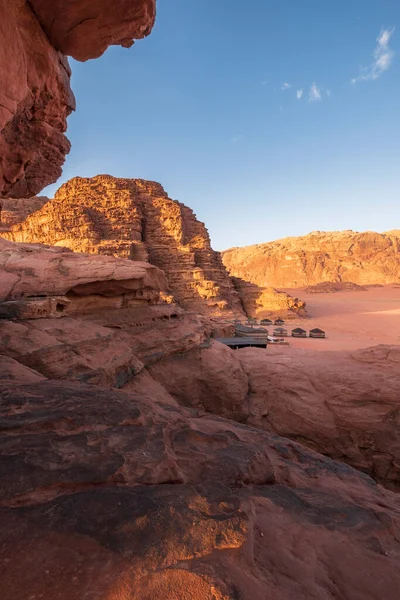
<point x="35" y="93"/>
<point x="347" y="256"/>
<point x="133" y="218"/>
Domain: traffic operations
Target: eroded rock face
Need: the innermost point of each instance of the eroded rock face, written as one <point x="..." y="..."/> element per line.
<point x="347" y="256"/>
<point x="342" y="404"/>
<point x="106" y="495"/>
<point x="261" y="302"/>
<point x="134" y="218"/>
<point x="32" y="271"/>
<point x="35" y="93"/>
<point x="16" y="210"/>
<point x="35" y="100"/>
<point x="84" y="29"/>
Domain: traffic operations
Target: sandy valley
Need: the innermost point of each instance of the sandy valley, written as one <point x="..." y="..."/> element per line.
<point x="351" y="320"/>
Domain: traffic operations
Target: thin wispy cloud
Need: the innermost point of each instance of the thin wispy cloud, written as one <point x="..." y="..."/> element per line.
<point x="236" y="139"/>
<point x="286" y="86"/>
<point x="383" y="57"/>
<point x="299" y="94"/>
<point x="314" y="95"/>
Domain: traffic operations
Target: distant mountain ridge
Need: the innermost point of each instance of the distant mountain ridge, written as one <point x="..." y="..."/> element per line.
<point x="363" y="258"/>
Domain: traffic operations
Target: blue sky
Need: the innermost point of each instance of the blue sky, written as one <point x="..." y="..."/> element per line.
<point x="208" y="106"/>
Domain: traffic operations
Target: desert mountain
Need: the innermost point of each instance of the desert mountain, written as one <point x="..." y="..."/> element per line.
<point x="135" y="219"/>
<point x="344" y="256"/>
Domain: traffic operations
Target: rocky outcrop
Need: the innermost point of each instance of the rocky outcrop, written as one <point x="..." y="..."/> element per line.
<point x="35" y="93"/>
<point x="34" y="273"/>
<point x="133" y="218"/>
<point x="261" y="302"/>
<point x="330" y="287"/>
<point x="84" y="29"/>
<point x="106" y="494"/>
<point x="346" y="256"/>
<point x="16" y="210"/>
<point x="341" y="404"/>
<point x="345" y="405"/>
<point x="35" y="101"/>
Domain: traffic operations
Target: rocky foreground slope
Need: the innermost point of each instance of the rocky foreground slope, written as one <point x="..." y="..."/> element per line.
<point x="155" y="484"/>
<point x="135" y="219"/>
<point x="346" y="256"/>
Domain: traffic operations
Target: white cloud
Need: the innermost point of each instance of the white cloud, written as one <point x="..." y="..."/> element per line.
<point x="383" y="56"/>
<point x="314" y="95"/>
<point x="328" y="93"/>
<point x="299" y="94"/>
<point x="286" y="86"/>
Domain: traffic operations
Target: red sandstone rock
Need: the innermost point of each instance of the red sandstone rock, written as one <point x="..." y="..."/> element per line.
<point x="35" y="94"/>
<point x="12" y="371"/>
<point x="133" y="218"/>
<point x="30" y="270"/>
<point x="16" y="210"/>
<point x="346" y="256"/>
<point x="267" y="302"/>
<point x="210" y="378"/>
<point x="35" y="100"/>
<point x="85" y="28"/>
<point x="345" y="405"/>
<point x="106" y="495"/>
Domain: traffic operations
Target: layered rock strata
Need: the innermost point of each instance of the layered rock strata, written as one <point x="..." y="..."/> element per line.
<point x="261" y="302"/>
<point x="109" y="495"/>
<point x="346" y="256"/>
<point x="133" y="218"/>
<point x="16" y="210"/>
<point x="35" y="93"/>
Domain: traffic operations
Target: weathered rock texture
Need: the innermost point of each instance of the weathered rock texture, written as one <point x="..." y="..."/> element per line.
<point x="35" y="273"/>
<point x="35" y="100"/>
<point x="108" y="495"/>
<point x="332" y="287"/>
<point x="128" y="494"/>
<point x="347" y="256"/>
<point x="342" y="404"/>
<point x="84" y="29"/>
<point x="16" y="210"/>
<point x="133" y="218"/>
<point x="267" y="302"/>
<point x="35" y="94"/>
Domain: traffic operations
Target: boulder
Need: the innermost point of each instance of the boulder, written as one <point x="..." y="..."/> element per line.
<point x="34" y="271"/>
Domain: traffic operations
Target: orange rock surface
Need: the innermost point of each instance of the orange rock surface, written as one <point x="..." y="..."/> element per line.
<point x="15" y="210"/>
<point x="133" y="218"/>
<point x="346" y="256"/>
<point x="267" y="302"/>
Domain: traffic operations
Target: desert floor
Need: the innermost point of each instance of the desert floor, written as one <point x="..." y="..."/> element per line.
<point x="351" y="319"/>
